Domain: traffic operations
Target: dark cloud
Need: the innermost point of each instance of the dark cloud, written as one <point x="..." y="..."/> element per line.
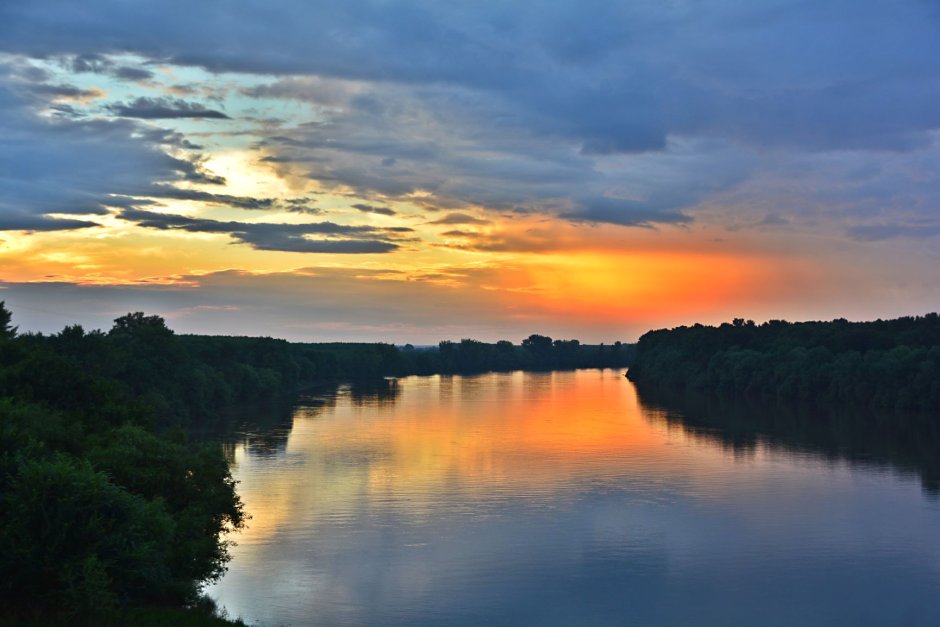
<point x="60" y="110"/>
<point x="194" y="172"/>
<point x="613" y="76"/>
<point x="240" y="202"/>
<point x="167" y="137"/>
<point x="518" y="105"/>
<point x="164" y="108"/>
<point x="502" y="171"/>
<point x="312" y="89"/>
<point x="625" y="212"/>
<point x="126" y="202"/>
<point x="95" y="63"/>
<point x="295" y="205"/>
<point x="22" y="221"/>
<point x="301" y="205"/>
<point x="27" y="72"/>
<point x="73" y="164"/>
<point x="335" y="238"/>
<point x="773" y="219"/>
<point x="291" y="243"/>
<point x="132" y="73"/>
<point x="877" y="232"/>
<point x="101" y="64"/>
<point x="66" y="91"/>
<point x="459" y="218"/>
<point x="385" y="211"/>
<point x="770" y="220"/>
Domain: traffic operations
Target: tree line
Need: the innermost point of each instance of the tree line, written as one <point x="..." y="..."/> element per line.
<point x="107" y="503"/>
<point x="536" y="352"/>
<point x="884" y="364"/>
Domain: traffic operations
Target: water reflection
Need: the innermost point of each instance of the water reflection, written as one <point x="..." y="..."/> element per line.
<point x="380" y="392"/>
<point x="910" y="443"/>
<point x="261" y="430"/>
<point x="561" y="499"/>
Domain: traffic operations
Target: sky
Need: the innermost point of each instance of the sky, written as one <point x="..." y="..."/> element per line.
<point x="419" y="170"/>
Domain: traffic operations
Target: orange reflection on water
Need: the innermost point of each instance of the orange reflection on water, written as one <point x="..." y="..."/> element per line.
<point x="490" y="439"/>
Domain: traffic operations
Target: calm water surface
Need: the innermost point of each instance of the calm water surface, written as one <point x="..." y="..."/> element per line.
<point x="561" y="499"/>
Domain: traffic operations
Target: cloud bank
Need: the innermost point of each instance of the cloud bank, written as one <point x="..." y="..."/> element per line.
<point x="281" y="237"/>
<point x="581" y="110"/>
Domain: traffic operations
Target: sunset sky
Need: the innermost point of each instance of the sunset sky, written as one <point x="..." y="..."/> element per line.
<point x="411" y="171"/>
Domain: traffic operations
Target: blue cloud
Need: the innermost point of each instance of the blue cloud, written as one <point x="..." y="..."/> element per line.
<point x="164" y="108"/>
<point x="329" y="236"/>
<point x="534" y="103"/>
<point x="72" y="164"/>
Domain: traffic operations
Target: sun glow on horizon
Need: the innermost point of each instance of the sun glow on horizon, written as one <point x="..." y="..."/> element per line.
<point x="574" y="281"/>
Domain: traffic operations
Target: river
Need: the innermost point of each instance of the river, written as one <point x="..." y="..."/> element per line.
<point x="562" y="498"/>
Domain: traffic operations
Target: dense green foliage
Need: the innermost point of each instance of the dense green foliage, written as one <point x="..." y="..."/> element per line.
<point x="885" y="364"/>
<point x="537" y="352"/>
<point x="149" y="616"/>
<point x="103" y="502"/>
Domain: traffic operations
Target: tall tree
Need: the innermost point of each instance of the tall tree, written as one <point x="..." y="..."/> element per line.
<point x="7" y="330"/>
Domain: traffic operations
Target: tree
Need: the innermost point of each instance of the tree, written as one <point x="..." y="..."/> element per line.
<point x="7" y="330"/>
<point x="140" y="325"/>
<point x="538" y="344"/>
<point x="504" y="346"/>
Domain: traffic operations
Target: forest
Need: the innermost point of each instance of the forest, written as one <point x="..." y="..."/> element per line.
<point x="108" y="505"/>
<point x="884" y="364"/>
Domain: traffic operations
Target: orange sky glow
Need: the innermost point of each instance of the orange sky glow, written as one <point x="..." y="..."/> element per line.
<point x="321" y="203"/>
<point x="534" y="271"/>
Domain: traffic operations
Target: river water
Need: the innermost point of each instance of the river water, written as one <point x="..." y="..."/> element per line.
<point x="561" y="498"/>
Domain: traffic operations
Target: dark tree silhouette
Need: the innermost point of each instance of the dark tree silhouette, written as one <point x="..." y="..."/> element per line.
<point x="7" y="330"/>
<point x="885" y="363"/>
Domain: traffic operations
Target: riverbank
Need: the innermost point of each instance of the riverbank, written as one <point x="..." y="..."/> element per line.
<point x="137" y="616"/>
<point x="884" y="364"/>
